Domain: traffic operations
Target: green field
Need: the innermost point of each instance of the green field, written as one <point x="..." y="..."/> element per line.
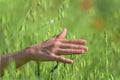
<point x="26" y="22"/>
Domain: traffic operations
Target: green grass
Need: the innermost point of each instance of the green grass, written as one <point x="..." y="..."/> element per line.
<point x="26" y="22"/>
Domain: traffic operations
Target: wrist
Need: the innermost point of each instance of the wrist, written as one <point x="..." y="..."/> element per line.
<point x="26" y="54"/>
<point x="21" y="57"/>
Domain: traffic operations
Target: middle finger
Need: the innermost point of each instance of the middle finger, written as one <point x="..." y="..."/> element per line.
<point x="73" y="46"/>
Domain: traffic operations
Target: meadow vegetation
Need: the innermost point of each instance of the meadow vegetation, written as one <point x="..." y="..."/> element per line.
<point x="26" y="22"/>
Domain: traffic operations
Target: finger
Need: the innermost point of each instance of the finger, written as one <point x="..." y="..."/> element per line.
<point x="62" y="34"/>
<point x="69" y="51"/>
<point x="73" y="46"/>
<point x="74" y="41"/>
<point x="62" y="59"/>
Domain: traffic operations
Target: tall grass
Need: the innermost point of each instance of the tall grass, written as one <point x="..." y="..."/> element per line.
<point x="26" y="22"/>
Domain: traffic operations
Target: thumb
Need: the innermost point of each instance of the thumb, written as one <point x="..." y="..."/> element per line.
<point x="62" y="34"/>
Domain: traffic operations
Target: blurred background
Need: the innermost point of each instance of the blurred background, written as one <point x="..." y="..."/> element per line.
<point x="80" y="16"/>
<point x="26" y="22"/>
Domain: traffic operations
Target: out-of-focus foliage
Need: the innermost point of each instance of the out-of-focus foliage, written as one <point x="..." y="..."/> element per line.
<point x="26" y="22"/>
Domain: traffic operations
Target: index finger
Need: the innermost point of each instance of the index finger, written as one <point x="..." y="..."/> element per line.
<point x="74" y="41"/>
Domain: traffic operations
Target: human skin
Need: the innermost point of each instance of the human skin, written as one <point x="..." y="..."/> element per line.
<point x="49" y="50"/>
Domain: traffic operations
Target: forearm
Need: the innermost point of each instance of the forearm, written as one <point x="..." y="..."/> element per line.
<point x="20" y="58"/>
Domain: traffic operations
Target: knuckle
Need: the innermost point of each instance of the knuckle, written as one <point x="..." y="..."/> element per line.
<point x="79" y="46"/>
<point x="64" y="51"/>
<point x="54" y="50"/>
<point x="51" y="54"/>
<point x="56" y="44"/>
<point x="69" y="50"/>
<point x="77" y="51"/>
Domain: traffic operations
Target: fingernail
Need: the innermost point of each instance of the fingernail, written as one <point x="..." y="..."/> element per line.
<point x="84" y="41"/>
<point x="86" y="48"/>
<point x="65" y="28"/>
<point x="71" y="61"/>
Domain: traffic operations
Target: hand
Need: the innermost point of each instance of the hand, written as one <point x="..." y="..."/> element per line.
<point x="53" y="48"/>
